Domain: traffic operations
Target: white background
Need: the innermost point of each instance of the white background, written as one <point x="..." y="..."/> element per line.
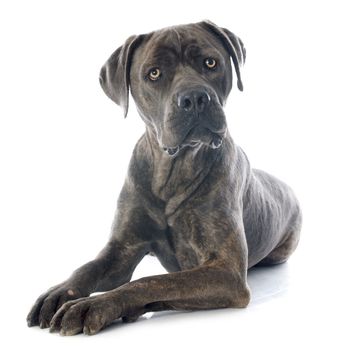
<point x="65" y="149"/>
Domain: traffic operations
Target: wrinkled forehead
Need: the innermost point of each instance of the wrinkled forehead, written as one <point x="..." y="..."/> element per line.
<point x="181" y="41"/>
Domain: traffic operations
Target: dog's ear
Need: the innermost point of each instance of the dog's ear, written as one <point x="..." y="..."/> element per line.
<point x="232" y="43"/>
<point x="115" y="74"/>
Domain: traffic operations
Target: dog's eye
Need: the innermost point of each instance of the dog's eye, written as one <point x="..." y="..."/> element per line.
<point x="210" y="63"/>
<point x="154" y="74"/>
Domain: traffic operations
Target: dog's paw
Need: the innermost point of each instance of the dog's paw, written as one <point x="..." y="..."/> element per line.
<point x="49" y="302"/>
<point x="88" y="315"/>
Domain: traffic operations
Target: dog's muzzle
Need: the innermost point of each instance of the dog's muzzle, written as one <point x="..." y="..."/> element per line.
<point x="195" y="103"/>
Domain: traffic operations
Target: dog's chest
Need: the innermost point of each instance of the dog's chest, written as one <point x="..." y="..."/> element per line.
<point x="179" y="250"/>
<point x="175" y="180"/>
<point x="172" y="176"/>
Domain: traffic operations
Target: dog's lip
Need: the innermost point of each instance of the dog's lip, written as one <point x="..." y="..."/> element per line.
<point x="191" y="143"/>
<point x="172" y="151"/>
<point x="214" y="142"/>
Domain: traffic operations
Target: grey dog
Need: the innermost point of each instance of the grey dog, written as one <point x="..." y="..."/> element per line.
<point x="190" y="197"/>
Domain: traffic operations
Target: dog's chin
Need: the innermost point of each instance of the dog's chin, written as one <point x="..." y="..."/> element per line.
<point x="210" y="140"/>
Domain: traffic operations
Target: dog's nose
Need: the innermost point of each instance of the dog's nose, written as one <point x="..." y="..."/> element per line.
<point x="193" y="100"/>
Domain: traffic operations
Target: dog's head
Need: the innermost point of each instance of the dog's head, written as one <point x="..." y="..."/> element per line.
<point x="180" y="78"/>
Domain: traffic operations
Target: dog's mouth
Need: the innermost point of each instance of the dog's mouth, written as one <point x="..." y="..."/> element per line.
<point x="215" y="141"/>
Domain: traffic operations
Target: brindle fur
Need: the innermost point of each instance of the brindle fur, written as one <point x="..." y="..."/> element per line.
<point x="205" y="213"/>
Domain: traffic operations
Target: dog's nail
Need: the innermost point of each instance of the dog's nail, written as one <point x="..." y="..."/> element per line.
<point x="43" y="325"/>
<point x="53" y="329"/>
<point x="216" y="142"/>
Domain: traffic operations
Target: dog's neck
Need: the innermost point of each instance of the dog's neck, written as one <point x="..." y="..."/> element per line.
<point x="175" y="178"/>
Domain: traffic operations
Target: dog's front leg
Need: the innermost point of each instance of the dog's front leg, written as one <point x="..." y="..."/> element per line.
<point x="215" y="284"/>
<point x="112" y="268"/>
<point x="132" y="235"/>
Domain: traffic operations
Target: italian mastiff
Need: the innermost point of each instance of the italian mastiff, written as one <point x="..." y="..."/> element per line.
<point x="190" y="197"/>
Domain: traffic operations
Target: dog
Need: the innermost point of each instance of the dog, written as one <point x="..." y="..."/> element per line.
<point x="190" y="197"/>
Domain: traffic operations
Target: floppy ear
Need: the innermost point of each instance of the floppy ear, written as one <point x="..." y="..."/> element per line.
<point x="115" y="74"/>
<point x="233" y="44"/>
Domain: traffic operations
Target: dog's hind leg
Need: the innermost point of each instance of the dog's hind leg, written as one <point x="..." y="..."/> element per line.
<point x="283" y="251"/>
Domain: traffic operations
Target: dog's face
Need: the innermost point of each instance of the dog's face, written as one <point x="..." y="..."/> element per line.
<point x="179" y="78"/>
